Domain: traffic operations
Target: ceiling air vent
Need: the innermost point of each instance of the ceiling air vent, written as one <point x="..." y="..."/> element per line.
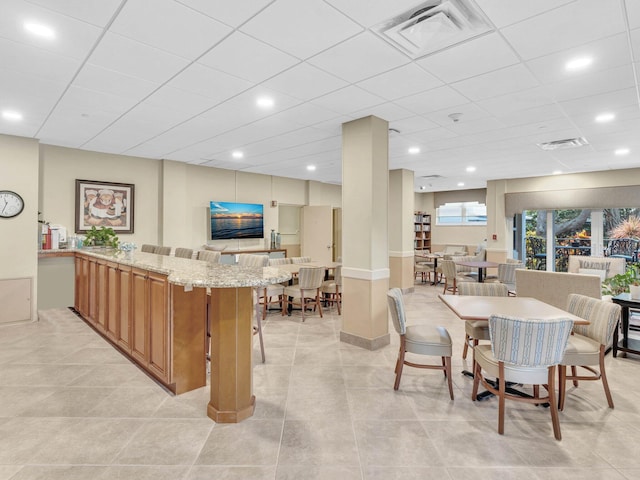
<point x="433" y="26"/>
<point x="431" y="176"/>
<point x="562" y="144"/>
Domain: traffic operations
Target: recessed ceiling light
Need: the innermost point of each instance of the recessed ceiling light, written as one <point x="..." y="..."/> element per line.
<point x="605" y="117"/>
<point x="311" y="168"/>
<point x="471" y="169"/>
<point x="414" y="150"/>
<point x="461" y="184"/>
<point x="265" y="102"/>
<point x="557" y="172"/>
<point x="11" y="115"/>
<point x="39" y="29"/>
<point x="237" y="154"/>
<point x="578" y="63"/>
<point x="622" y="151"/>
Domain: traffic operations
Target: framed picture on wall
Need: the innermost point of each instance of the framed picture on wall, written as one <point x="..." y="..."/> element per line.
<point x="104" y="204"/>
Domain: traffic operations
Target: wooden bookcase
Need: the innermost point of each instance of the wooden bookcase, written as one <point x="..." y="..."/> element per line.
<point x="422" y="229"/>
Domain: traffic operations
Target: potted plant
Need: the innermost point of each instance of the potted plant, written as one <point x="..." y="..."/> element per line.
<point x="629" y="281"/>
<point x="103" y="237"/>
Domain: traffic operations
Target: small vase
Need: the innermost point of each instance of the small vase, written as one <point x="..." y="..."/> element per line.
<point x="634" y="290"/>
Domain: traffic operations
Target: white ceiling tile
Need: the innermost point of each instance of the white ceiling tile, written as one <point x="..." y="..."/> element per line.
<point x="518" y="101"/>
<point x="24" y="89"/>
<point x="209" y="83"/>
<point x="283" y="142"/>
<point x="619" y="78"/>
<point x="468" y="112"/>
<point x="135" y="59"/>
<point x="426" y="137"/>
<point x="360" y="57"/>
<point x="635" y="44"/>
<point x="172" y="27"/>
<point x="506" y="80"/>
<point x="96" y="13"/>
<point x="606" y="102"/>
<point x="305" y="82"/>
<point x="346" y="100"/>
<point x="532" y="115"/>
<point x="565" y="27"/>
<point x="387" y="111"/>
<point x="247" y="58"/>
<point x="231" y="13"/>
<point x="480" y="55"/>
<point x="307" y="114"/>
<point x="73" y="38"/>
<point x="67" y="126"/>
<point x="400" y="82"/>
<point x="180" y="100"/>
<point x="433" y="100"/>
<point x="606" y="53"/>
<point x="281" y="21"/>
<point x="633" y="13"/>
<point x="371" y="12"/>
<point x="90" y="101"/>
<point x="413" y="124"/>
<point x="506" y="12"/>
<point x="35" y="61"/>
<point x="95" y="78"/>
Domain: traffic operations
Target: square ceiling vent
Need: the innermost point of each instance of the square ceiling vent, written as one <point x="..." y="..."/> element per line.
<point x="564" y="144"/>
<point x="433" y="26"/>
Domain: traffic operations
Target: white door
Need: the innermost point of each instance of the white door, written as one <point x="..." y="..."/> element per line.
<point x="317" y="233"/>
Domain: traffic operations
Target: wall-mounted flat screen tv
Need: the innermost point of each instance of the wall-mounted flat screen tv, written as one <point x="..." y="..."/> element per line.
<point x="236" y="220"/>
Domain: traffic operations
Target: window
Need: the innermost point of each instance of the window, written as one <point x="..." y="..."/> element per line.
<point x="462" y="213"/>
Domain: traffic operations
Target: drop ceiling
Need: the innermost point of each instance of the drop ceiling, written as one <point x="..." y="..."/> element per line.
<point x="179" y="80"/>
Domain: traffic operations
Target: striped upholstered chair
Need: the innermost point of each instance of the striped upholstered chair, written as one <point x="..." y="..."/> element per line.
<point x="522" y="351"/>
<point x="420" y="340"/>
<point x="588" y="343"/>
<point x="249" y="260"/>
<point x="306" y="292"/>
<point x="479" y="329"/>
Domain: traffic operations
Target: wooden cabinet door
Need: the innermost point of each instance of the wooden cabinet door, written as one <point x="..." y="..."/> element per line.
<point x="92" y="280"/>
<point x="82" y="286"/>
<point x="140" y="316"/>
<point x="113" y="301"/>
<point x="124" y="306"/>
<point x="158" y="325"/>
<point x="102" y="295"/>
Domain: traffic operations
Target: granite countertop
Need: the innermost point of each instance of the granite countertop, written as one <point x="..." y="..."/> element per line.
<point x="184" y="271"/>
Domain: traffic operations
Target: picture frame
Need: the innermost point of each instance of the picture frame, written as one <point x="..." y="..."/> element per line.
<point x="104" y="204"/>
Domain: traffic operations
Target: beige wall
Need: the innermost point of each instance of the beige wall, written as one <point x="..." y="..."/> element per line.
<point x="19" y="235"/>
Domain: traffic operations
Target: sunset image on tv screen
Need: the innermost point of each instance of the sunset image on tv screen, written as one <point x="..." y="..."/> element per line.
<point x="236" y="220"/>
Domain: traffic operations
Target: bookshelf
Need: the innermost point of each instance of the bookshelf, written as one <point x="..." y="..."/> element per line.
<point x="422" y="229"/>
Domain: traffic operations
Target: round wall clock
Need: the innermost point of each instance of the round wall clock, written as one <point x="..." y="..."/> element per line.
<point x="11" y="204"/>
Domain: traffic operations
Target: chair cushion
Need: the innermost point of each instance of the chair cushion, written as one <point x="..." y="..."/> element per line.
<point x="581" y="350"/>
<point x="427" y="340"/>
<point x="593" y="271"/>
<point x="478" y="329"/>
<point x="512" y="373"/>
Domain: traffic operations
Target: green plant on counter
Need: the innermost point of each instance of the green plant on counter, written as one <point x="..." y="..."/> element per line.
<point x="620" y="283"/>
<point x="103" y="236"/>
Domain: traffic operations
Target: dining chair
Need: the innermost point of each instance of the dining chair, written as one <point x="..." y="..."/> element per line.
<point x="148" y="248"/>
<point x="522" y="350"/>
<point x="479" y="329"/>
<point x="588" y="343"/>
<point x="306" y="292"/>
<point x="300" y="259"/>
<point x="184" y="253"/>
<point x="273" y="294"/>
<point x="249" y="260"/>
<point x="332" y="289"/>
<point x="209" y="256"/>
<point x="420" y="340"/>
<point x="507" y="275"/>
<point x="422" y="267"/>
<point x="451" y="277"/>
<point x="166" y="251"/>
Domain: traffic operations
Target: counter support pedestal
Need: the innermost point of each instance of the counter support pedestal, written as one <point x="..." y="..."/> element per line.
<point x="231" y="311"/>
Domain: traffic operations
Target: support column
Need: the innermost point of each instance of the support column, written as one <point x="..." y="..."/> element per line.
<point x="401" y="234"/>
<point x="365" y="271"/>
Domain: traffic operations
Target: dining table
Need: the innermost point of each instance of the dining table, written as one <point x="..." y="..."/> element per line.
<point x="432" y="257"/>
<point x="481" y="266"/>
<point x="471" y="307"/>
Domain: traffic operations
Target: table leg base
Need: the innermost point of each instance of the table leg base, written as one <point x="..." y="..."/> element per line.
<point x="231" y="416"/>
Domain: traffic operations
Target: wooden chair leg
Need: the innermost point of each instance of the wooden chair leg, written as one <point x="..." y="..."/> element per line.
<point x="562" y="385"/>
<point x="574" y="373"/>
<point x="466" y="346"/>
<point x="603" y="377"/>
<point x="476" y="380"/>
<point x="400" y="364"/>
<point x="501" y="397"/>
<point x="447" y="362"/>
<point x="555" y="419"/>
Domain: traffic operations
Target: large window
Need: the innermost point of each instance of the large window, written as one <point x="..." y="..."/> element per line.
<point x="462" y="213"/>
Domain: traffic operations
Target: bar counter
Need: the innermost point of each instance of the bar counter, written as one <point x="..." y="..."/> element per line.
<point x="154" y="309"/>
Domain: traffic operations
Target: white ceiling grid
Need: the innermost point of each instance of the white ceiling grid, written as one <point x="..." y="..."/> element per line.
<point x="178" y="79"/>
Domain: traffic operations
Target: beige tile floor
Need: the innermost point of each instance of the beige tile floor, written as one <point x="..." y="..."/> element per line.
<point x="71" y="407"/>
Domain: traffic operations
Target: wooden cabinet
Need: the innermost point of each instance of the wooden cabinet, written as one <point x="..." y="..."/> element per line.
<point x="422" y="228"/>
<point x="159" y="325"/>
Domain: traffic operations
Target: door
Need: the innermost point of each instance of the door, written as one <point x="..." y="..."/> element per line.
<point x="317" y="233"/>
